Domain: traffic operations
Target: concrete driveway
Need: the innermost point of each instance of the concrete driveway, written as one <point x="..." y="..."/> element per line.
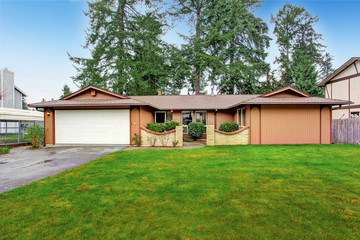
<point x="23" y="165"/>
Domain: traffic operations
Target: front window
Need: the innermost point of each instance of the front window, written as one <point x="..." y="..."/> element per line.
<point x="162" y="116"/>
<point x="241" y="117"/>
<point x="200" y="117"/>
<point x="187" y="117"/>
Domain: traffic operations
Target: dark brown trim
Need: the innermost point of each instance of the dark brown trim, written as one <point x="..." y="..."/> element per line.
<point x="346" y="107"/>
<point x="331" y="90"/>
<point x="54" y="142"/>
<point x="320" y="122"/>
<point x="345" y="78"/>
<point x="349" y="97"/>
<point x="260" y="124"/>
<point x="356" y="67"/>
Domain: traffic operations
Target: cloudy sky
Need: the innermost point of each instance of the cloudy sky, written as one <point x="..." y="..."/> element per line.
<point x="35" y="36"/>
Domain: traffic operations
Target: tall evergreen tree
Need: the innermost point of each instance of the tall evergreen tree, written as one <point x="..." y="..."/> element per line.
<point x="126" y="51"/>
<point x="303" y="73"/>
<point x="65" y="91"/>
<point x="295" y="31"/>
<point x="236" y="41"/>
<point x="195" y="12"/>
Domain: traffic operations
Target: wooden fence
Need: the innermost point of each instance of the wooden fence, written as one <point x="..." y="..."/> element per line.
<point x="346" y="131"/>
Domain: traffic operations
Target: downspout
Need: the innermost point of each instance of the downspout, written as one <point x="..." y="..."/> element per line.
<point x="215" y="118"/>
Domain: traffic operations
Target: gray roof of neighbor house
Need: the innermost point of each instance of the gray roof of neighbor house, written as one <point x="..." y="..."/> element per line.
<point x="20" y="91"/>
<point x="193" y="102"/>
<point x="339" y="70"/>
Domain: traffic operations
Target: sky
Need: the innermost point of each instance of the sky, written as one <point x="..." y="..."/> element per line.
<point x="36" y="35"/>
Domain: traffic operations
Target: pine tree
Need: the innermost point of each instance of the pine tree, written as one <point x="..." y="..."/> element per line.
<point x="236" y="41"/>
<point x="24" y="104"/>
<point x="65" y="91"/>
<point x="126" y="51"/>
<point x="304" y="74"/>
<point x="195" y="12"/>
<point x="295" y="31"/>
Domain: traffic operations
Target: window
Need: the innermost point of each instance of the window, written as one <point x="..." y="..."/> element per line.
<point x="241" y="116"/>
<point x="354" y="114"/>
<point x="162" y="116"/>
<point x="200" y="117"/>
<point x="186" y="117"/>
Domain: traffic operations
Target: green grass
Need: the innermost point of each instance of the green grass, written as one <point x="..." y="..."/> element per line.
<point x="234" y="192"/>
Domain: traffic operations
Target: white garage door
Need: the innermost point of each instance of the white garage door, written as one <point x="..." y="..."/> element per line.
<point x="92" y="126"/>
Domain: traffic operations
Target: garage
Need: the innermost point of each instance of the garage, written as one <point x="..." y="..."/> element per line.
<point x="105" y="126"/>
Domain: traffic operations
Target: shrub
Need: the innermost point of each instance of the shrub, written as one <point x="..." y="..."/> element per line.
<point x="229" y="127"/>
<point x="155" y="127"/>
<point x="4" y="150"/>
<point x="175" y="142"/>
<point x="137" y="139"/>
<point x="164" y="140"/>
<point x="36" y="135"/>
<point x="152" y="141"/>
<point x="196" y="130"/>
<point x="169" y="125"/>
<point x="187" y="140"/>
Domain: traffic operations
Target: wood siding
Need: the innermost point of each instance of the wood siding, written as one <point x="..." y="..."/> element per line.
<point x="325" y="125"/>
<point x="255" y="125"/>
<point x="290" y="124"/>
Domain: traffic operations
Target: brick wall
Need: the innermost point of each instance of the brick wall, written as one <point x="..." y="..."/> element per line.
<point x="216" y="137"/>
<point x="162" y="139"/>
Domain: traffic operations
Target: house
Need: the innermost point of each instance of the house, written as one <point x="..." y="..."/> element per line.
<point x="13" y="119"/>
<point x="96" y="116"/>
<point x="10" y="95"/>
<point x="344" y="83"/>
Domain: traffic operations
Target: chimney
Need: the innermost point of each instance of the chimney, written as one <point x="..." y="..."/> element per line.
<point x="212" y="92"/>
<point x="159" y="93"/>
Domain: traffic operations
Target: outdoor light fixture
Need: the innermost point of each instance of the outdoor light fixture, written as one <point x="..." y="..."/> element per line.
<point x="48" y="114"/>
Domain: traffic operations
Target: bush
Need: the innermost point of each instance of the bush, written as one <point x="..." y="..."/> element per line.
<point x="4" y="150"/>
<point x="36" y="135"/>
<point x="155" y="127"/>
<point x="229" y="127"/>
<point x="196" y="130"/>
<point x="169" y="125"/>
<point x="137" y="139"/>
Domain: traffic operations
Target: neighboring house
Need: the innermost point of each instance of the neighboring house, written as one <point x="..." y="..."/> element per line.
<point x="10" y="95"/>
<point x="96" y="116"/>
<point x="12" y="116"/>
<point x="344" y="83"/>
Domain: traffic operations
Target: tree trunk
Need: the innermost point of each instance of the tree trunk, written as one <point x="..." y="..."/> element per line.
<point x="197" y="65"/>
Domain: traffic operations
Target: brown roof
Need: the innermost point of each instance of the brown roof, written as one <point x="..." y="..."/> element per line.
<point x="339" y="70"/>
<point x="300" y="100"/>
<point x="193" y="102"/>
<point x="188" y="102"/>
<point x="284" y="89"/>
<point x="96" y="88"/>
<point x="87" y="102"/>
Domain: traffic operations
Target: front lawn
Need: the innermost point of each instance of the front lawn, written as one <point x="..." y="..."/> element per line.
<point x="234" y="192"/>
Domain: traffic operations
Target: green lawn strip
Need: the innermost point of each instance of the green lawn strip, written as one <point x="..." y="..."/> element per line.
<point x="228" y="192"/>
